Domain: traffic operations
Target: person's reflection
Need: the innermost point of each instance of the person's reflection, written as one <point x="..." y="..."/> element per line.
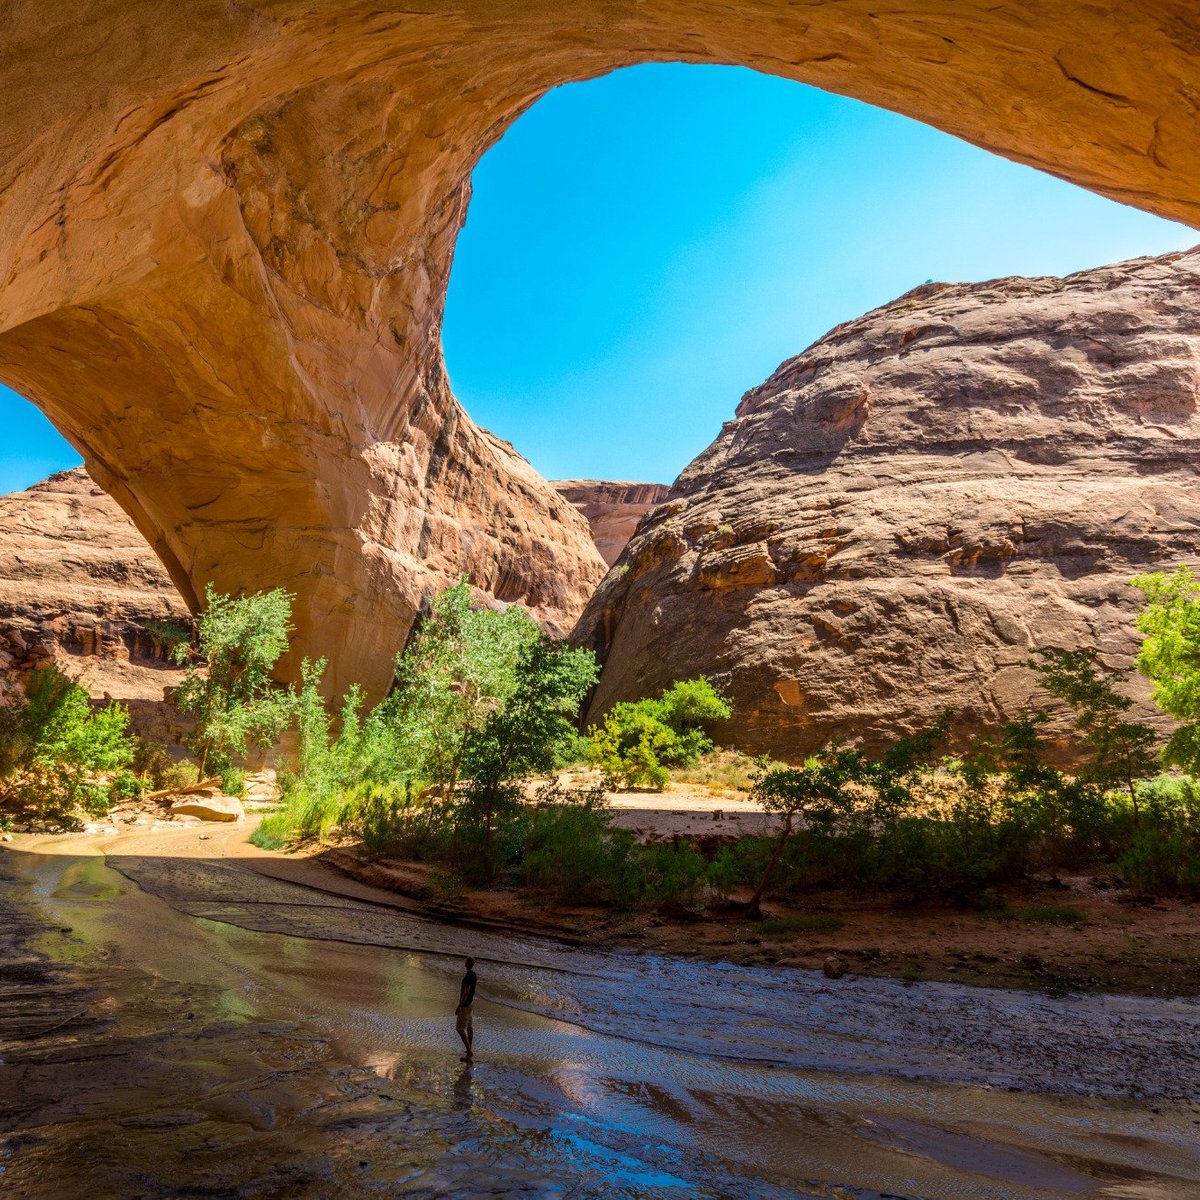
<point x="462" y="1089"/>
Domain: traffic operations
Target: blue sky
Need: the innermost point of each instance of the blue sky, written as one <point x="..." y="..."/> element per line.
<point x="643" y="248"/>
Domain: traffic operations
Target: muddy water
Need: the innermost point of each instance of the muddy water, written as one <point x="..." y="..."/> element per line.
<point x="259" y="1027"/>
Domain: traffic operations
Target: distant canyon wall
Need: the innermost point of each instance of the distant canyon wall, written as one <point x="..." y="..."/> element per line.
<point x="77" y="580"/>
<point x="613" y="508"/>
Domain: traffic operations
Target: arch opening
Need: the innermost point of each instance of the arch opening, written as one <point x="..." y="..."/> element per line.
<point x="642" y="248"/>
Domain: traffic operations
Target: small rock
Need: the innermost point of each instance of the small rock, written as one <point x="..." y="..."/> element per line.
<point x="834" y="967"/>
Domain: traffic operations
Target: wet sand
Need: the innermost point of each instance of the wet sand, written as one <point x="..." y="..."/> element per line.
<point x="254" y="1025"/>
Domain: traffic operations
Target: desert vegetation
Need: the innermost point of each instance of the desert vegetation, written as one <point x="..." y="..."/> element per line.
<point x="460" y="767"/>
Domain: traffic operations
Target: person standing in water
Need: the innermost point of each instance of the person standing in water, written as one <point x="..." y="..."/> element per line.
<point x="466" y="997"/>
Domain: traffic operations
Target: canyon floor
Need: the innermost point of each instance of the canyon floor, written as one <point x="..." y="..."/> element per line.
<point x="1070" y="933"/>
<point x="182" y="1013"/>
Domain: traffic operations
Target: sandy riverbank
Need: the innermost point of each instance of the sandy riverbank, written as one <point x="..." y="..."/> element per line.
<point x="1078" y="933"/>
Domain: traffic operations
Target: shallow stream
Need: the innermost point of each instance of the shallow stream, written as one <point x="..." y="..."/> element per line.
<point x="259" y="1027"/>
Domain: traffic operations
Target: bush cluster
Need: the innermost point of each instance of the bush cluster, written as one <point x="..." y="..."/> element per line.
<point x="639" y="741"/>
<point x="59" y="755"/>
<point x="481" y="700"/>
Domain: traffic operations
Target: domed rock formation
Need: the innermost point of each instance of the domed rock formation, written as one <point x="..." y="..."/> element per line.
<point x="226" y="232"/>
<point x="899" y="513"/>
<point x="613" y="509"/>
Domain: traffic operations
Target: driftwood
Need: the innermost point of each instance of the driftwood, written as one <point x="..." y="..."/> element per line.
<point x="202" y="786"/>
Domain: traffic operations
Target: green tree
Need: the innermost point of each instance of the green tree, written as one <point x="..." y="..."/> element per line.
<point x="816" y="795"/>
<point x="480" y="699"/>
<point x="640" y="740"/>
<point x="1122" y="751"/>
<point x="458" y="669"/>
<point x="58" y="753"/>
<point x="1170" y="656"/>
<point x="228" y="686"/>
<point x="526" y="734"/>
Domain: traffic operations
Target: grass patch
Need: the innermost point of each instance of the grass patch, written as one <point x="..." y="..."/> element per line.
<point x="723" y="770"/>
<point x="273" y="832"/>
<point x="1040" y="914"/>
<point x="811" y="923"/>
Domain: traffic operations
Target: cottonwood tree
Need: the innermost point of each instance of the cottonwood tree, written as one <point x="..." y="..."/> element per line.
<point x="1170" y="656"/>
<point x="228" y="686"/>
<point x="459" y="668"/>
<point x="1122" y="751"/>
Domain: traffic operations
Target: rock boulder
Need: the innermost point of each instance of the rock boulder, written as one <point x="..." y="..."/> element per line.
<point x="208" y="806"/>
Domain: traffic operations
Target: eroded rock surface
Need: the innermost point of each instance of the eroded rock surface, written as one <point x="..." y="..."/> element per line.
<point x="613" y="509"/>
<point x="77" y="580"/>
<point x="79" y="585"/>
<point x="899" y="513"/>
<point x="226" y="232"/>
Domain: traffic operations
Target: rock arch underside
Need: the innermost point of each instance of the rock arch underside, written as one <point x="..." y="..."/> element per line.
<point x="226" y="231"/>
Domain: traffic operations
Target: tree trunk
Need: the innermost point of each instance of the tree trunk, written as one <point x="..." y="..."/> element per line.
<point x="754" y="909"/>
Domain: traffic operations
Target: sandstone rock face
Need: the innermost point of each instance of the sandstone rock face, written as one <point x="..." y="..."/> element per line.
<point x="226" y="232"/>
<point x="902" y="511"/>
<point x="612" y="508"/>
<point x="78" y="582"/>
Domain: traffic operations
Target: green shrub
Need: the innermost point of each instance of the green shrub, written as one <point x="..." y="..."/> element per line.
<point x="125" y="785"/>
<point x="233" y="781"/>
<point x="641" y="740"/>
<point x="672" y="876"/>
<point x="178" y="775"/>
<point x="273" y="832"/>
<point x="1162" y="862"/>
<point x="59" y="755"/>
<point x="1039" y="914"/>
<point x="572" y="853"/>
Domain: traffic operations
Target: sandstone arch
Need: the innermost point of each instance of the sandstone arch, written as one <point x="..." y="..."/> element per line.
<point x="226" y="229"/>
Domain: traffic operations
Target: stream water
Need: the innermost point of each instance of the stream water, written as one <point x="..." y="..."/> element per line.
<point x="256" y="1027"/>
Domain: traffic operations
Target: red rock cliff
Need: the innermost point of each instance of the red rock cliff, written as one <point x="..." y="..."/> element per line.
<point x="899" y="513"/>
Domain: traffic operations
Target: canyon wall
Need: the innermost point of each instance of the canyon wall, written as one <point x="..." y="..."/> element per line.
<point x="226" y="232"/>
<point x="77" y="579"/>
<point x="79" y="584"/>
<point x="902" y="511"/>
<point x="612" y="508"/>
